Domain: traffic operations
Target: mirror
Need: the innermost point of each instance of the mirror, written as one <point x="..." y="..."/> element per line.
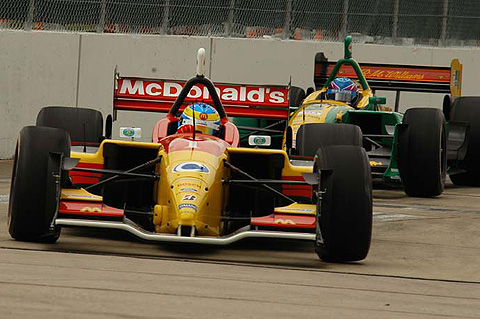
<point x="259" y="140"/>
<point x="377" y="100"/>
<point x="131" y="132"/>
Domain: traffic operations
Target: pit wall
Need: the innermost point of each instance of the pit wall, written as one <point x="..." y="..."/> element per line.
<point x="46" y="69"/>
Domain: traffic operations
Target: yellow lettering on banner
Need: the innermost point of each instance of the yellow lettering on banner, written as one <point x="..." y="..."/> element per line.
<point x="91" y="210"/>
<point x="284" y="222"/>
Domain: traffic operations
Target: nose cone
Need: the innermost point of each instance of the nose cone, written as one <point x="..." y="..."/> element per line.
<point x="186" y="214"/>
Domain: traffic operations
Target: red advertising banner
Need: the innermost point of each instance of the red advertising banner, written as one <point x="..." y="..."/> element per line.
<point x="392" y="73"/>
<point x="238" y="100"/>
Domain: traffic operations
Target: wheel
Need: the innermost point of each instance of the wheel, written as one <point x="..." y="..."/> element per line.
<point x="312" y="136"/>
<point x="83" y="125"/>
<point x="422" y="152"/>
<point x="344" y="211"/>
<point x="31" y="206"/>
<point x="297" y="94"/>
<point x="467" y="110"/>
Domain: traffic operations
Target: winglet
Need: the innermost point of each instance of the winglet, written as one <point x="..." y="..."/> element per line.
<point x="456" y="79"/>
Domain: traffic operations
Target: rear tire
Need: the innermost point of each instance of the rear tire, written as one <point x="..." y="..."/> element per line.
<point x="297" y="94"/>
<point x="312" y="136"/>
<point x="422" y="152"/>
<point x="344" y="213"/>
<point x="29" y="210"/>
<point x="85" y="126"/>
<point x="467" y="110"/>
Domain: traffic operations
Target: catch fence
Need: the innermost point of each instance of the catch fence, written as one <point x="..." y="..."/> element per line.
<point x="401" y="22"/>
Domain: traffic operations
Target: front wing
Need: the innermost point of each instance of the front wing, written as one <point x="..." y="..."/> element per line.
<point x="78" y="208"/>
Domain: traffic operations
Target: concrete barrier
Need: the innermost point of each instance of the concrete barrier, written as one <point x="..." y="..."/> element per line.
<point x="45" y="68"/>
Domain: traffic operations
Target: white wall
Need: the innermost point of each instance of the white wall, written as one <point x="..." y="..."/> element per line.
<point x="42" y="68"/>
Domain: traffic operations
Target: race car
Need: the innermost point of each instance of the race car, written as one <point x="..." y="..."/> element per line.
<point x="416" y="148"/>
<point x="187" y="185"/>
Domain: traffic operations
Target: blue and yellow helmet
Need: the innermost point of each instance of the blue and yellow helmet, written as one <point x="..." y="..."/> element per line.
<point x="343" y="89"/>
<point x="207" y="119"/>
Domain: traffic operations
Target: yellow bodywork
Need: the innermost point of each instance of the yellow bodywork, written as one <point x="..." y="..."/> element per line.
<point x="195" y="198"/>
<point x="79" y="194"/>
<point x="185" y="197"/>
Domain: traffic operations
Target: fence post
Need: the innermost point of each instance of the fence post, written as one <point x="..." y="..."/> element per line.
<point x="396" y="6"/>
<point x="344" y="19"/>
<point x="27" y="25"/>
<point x="231" y="15"/>
<point x="444" y="23"/>
<point x="166" y="17"/>
<point x="101" y="22"/>
<point x="287" y="24"/>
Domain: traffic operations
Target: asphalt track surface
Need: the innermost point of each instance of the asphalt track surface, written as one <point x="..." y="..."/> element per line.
<point x="424" y="262"/>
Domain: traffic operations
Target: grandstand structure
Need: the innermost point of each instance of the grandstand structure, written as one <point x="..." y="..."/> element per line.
<point x="399" y="22"/>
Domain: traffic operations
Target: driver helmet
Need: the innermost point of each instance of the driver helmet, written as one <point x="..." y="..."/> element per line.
<point x="207" y="119"/>
<point x="343" y="90"/>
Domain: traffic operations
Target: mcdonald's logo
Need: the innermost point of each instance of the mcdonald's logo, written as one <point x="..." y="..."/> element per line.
<point x="284" y="222"/>
<point x="91" y="210"/>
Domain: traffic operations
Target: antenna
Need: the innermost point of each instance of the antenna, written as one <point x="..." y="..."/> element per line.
<point x="84" y="136"/>
<point x="193" y="135"/>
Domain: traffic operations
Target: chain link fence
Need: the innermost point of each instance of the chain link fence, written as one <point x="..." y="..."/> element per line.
<point x="403" y="22"/>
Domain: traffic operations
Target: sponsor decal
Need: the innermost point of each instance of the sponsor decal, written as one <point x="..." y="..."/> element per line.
<point x="400" y="73"/>
<point x="189" y="197"/>
<point x="189" y="184"/>
<point x="189" y="189"/>
<point x="373" y="163"/>
<point x="203" y="116"/>
<point x="80" y="196"/>
<point x="456" y="78"/>
<point x="296" y="210"/>
<point x="187" y="205"/>
<point x="191" y="167"/>
<point x="91" y="210"/>
<point x="284" y="222"/>
<point x="233" y="94"/>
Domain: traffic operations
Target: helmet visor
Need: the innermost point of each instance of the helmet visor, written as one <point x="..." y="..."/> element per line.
<point x="205" y="127"/>
<point x="342" y="96"/>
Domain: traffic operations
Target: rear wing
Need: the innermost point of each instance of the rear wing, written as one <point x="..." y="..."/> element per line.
<point x="158" y="95"/>
<point x="398" y="78"/>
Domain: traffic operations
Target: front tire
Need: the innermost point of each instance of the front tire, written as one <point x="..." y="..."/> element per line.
<point x="30" y="210"/>
<point x="422" y="152"/>
<point x="344" y="211"/>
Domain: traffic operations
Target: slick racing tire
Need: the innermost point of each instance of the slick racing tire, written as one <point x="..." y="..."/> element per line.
<point x="467" y="110"/>
<point x="344" y="210"/>
<point x="422" y="152"/>
<point x="83" y="125"/>
<point x="297" y="94"/>
<point x="312" y="136"/>
<point x="30" y="210"/>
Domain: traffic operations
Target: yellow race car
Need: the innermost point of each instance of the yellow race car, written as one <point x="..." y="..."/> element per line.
<point x="186" y="186"/>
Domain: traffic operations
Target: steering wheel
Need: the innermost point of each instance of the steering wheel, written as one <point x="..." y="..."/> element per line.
<point x="217" y="104"/>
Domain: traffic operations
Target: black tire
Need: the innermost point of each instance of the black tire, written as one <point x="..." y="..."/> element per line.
<point x="467" y="110"/>
<point x="297" y="94"/>
<point x="312" y="136"/>
<point x="29" y="216"/>
<point x="344" y="213"/>
<point x="83" y="125"/>
<point x="422" y="152"/>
